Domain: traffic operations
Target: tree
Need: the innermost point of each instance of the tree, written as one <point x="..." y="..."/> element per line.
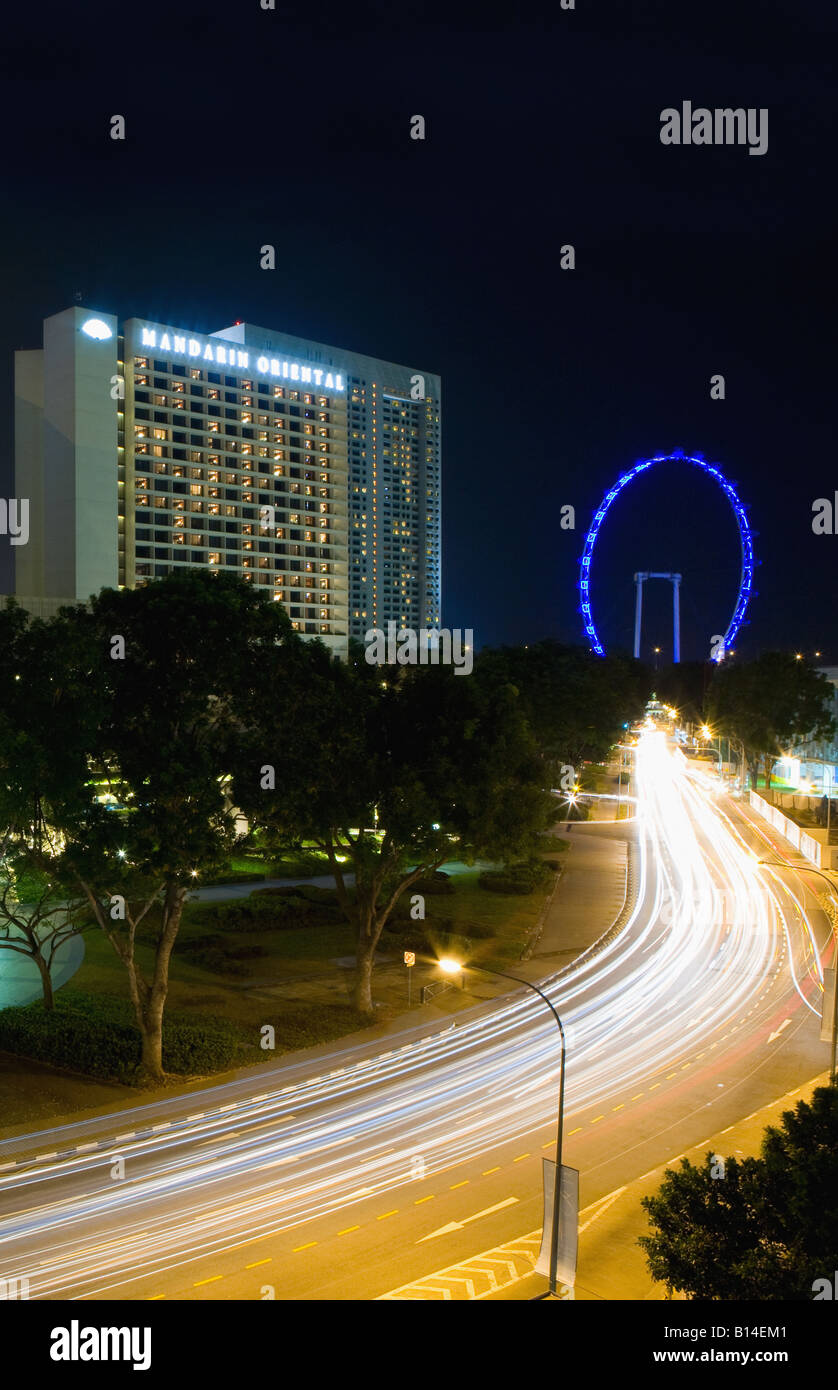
<point x="142" y="806"/>
<point x="759" y="1228"/>
<point x="575" y="703"/>
<point x="770" y="704"/>
<point x="40" y="926"/>
<point x="42" y="694"/>
<point x="391" y="774"/>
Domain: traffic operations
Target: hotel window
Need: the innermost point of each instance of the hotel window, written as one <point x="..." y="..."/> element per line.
<point x="215" y="557"/>
<point x="196" y="489"/>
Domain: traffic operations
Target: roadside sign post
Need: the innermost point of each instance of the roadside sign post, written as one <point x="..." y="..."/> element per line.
<point x="409" y="960"/>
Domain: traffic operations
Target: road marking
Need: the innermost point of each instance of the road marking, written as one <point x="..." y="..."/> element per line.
<point x="430" y="1198"/>
<point x="385" y="1214"/>
<point x="639" y="1094"/>
<point x="348" y="1229"/>
<point x="155" y="1297"/>
<point x="597" y="1120"/>
<point x="604" y="1204"/>
<point x="477" y="1278"/>
<point x="458" y="1225"/>
<point x="492" y="1170"/>
<point x="772" y="1037"/>
<point x="520" y="1156"/>
<point x="256" y="1263"/>
<point x="213" y="1279"/>
<point x="574" y="1131"/>
<point x="303" y="1247"/>
<point x="621" y="1106"/>
<point x="458" y="1184"/>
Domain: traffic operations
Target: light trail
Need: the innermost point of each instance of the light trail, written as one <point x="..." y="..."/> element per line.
<point x="708" y="935"/>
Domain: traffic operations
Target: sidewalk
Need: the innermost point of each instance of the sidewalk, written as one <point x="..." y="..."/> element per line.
<point x="611" y="1263"/>
<point x="589" y="896"/>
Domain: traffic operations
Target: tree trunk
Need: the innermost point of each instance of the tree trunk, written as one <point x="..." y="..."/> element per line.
<point x="149" y="1000"/>
<point x="151" y="1059"/>
<point x="363" y="980"/>
<point x="46" y="982"/>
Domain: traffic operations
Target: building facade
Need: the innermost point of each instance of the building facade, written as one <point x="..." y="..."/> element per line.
<point x="311" y="471"/>
<point x="813" y="764"/>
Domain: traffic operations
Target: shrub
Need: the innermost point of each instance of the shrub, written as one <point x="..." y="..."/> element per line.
<point x="523" y="877"/>
<point x="303" y="864"/>
<point x="269" y="909"/>
<point x="432" y="884"/>
<point x="222" y="876"/>
<point x="215" y="952"/>
<point x="101" y="1038"/>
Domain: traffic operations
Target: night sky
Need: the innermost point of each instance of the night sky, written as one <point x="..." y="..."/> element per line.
<point x="292" y="127"/>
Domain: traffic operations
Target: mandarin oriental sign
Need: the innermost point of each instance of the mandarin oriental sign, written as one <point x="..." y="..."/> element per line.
<point x="228" y="355"/>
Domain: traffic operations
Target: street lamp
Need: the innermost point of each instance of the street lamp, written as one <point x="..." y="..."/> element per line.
<point x="453" y="967"/>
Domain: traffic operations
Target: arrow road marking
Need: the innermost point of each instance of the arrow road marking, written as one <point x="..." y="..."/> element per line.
<point x="774" y="1036"/>
<point x="458" y="1225"/>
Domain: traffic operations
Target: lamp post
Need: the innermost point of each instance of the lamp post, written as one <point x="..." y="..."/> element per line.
<point x="453" y="967"/>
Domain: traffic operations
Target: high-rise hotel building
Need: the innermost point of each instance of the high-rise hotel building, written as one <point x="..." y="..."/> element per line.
<point x="307" y="469"/>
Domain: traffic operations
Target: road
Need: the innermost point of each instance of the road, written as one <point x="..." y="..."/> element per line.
<point x="362" y="1178"/>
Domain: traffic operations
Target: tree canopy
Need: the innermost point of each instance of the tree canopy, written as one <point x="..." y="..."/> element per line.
<point x="770" y="704"/>
<point x="755" y="1228"/>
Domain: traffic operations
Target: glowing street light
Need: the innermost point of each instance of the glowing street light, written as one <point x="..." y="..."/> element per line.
<point x="449" y="966"/>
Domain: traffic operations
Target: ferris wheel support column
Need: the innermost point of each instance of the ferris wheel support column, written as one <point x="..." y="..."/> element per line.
<point x="638" y="612"/>
<point x="676" y="618"/>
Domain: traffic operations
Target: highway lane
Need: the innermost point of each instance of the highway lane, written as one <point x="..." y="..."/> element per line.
<point x="327" y="1178"/>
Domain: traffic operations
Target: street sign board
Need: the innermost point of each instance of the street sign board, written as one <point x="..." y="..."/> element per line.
<point x="568" y="1223"/>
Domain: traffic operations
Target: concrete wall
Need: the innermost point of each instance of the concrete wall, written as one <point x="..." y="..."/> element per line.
<point x="80" y="456"/>
<point x="29" y="468"/>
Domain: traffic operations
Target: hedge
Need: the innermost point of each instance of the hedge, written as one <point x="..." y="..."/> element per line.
<point x="520" y="878"/>
<point x="100" y="1037"/>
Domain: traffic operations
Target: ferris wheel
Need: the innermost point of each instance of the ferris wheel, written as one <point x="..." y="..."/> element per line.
<point x="746" y="547"/>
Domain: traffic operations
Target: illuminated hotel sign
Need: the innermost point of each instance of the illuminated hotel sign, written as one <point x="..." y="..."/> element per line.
<point x="227" y="355"/>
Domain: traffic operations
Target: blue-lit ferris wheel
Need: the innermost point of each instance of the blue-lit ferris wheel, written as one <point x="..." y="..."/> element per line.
<point x="746" y="544"/>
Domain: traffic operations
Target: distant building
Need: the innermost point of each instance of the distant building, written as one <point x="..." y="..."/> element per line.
<point x="310" y="470"/>
<point x="814" y="762"/>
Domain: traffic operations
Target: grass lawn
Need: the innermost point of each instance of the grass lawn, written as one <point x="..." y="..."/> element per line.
<point x="246" y="990"/>
<point x="302" y="951"/>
